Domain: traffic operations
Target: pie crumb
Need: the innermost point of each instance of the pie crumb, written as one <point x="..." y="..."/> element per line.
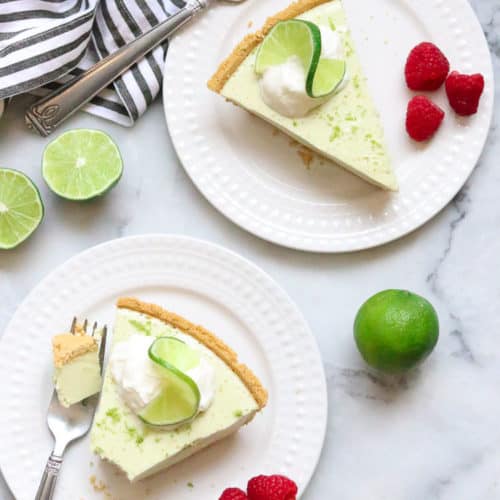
<point x="306" y="155"/>
<point x="250" y="24"/>
<point x="98" y="486"/>
<point x="79" y="330"/>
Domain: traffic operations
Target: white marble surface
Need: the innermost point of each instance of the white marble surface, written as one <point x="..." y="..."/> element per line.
<point x="433" y="435"/>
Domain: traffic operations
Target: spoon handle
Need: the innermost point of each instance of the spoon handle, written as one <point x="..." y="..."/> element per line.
<point x="48" y="113"/>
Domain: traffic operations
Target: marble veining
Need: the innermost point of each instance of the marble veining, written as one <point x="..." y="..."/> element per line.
<point x="430" y="435"/>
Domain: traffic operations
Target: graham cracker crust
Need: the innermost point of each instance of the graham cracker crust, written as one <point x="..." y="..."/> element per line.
<point x="205" y="337"/>
<point x="66" y="347"/>
<point x="245" y="47"/>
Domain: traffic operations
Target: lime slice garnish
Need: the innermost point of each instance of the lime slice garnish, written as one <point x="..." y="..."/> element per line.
<point x="287" y="39"/>
<point x="179" y="399"/>
<point x="21" y="208"/>
<point x="81" y="164"/>
<point x="301" y="39"/>
<point x="329" y="75"/>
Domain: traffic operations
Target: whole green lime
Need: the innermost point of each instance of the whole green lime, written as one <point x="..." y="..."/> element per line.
<point x="396" y="330"/>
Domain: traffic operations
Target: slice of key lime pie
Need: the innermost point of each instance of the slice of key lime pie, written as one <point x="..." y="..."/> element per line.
<point x="77" y="371"/>
<point x="171" y="388"/>
<point x="301" y="73"/>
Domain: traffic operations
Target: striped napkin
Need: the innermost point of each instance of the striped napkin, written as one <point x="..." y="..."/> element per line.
<point x="44" y="43"/>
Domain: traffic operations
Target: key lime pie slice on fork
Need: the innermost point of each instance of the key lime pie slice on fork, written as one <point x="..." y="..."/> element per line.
<point x="171" y="388"/>
<point x="301" y="73"/>
<point x="77" y="368"/>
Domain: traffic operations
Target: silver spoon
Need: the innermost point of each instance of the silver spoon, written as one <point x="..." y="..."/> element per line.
<point x="48" y="113"/>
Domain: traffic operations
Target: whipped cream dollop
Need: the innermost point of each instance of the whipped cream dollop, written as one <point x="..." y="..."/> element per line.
<point x="139" y="381"/>
<point x="283" y="87"/>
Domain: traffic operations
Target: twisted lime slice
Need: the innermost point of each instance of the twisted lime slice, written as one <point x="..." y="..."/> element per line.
<point x="81" y="164"/>
<point x="179" y="400"/>
<point x="301" y="39"/>
<point x="287" y="39"/>
<point x="21" y="208"/>
<point x="330" y="73"/>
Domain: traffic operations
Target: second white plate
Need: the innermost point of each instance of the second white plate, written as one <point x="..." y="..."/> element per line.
<point x="257" y="179"/>
<point x="210" y="286"/>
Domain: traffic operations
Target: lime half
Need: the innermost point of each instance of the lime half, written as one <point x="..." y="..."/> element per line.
<point x="21" y="208"/>
<point x="301" y="39"/>
<point x="82" y="164"/>
<point x="179" y="400"/>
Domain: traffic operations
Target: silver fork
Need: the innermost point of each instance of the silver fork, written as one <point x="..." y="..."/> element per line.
<point x="68" y="424"/>
<point x="48" y="113"/>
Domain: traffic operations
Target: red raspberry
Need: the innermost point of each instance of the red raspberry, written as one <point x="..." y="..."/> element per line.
<point x="426" y="67"/>
<point x="423" y="118"/>
<point x="271" y="488"/>
<point x="464" y="92"/>
<point x="233" y="494"/>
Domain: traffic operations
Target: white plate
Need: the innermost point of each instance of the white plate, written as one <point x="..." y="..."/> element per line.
<point x="207" y="284"/>
<point x="257" y="179"/>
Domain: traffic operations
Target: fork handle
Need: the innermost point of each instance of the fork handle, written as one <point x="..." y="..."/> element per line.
<point x="49" y="478"/>
<point x="49" y="112"/>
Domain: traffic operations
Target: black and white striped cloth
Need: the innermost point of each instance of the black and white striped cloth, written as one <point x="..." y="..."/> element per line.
<point x="43" y="43"/>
